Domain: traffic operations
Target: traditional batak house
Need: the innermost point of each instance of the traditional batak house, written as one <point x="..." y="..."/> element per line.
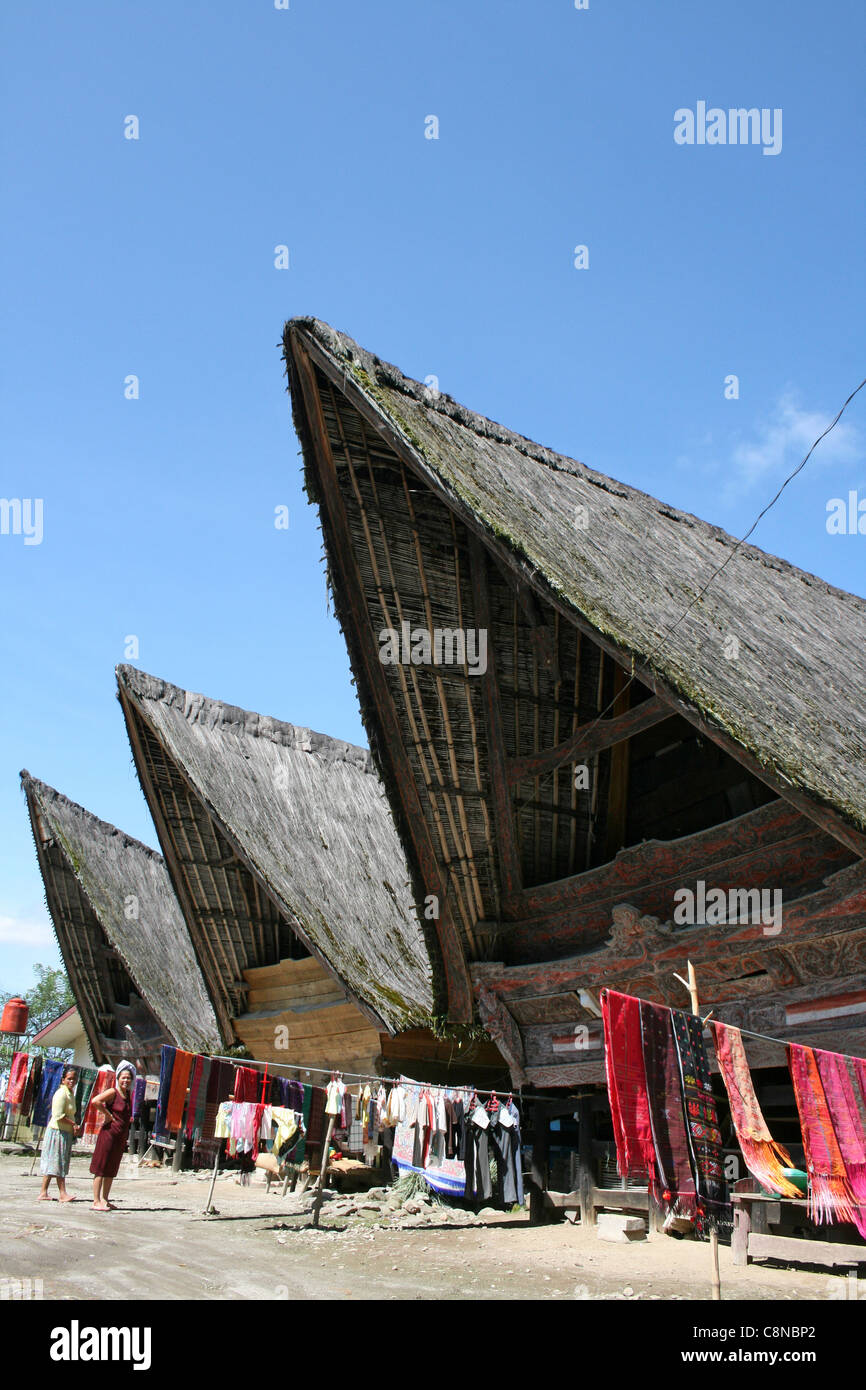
<point x="284" y="857"/>
<point x="586" y="751"/>
<point x="124" y="943"/>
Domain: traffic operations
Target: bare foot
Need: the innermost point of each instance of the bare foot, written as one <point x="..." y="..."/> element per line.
<point x="101" y="1206"/>
<point x="66" y="1198"/>
<point x="44" y="1197"/>
<point x="112" y="1207"/>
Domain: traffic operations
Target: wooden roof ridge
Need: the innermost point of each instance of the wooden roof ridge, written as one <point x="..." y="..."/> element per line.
<point x="362" y="363"/>
<point x="216" y="714"/>
<point x="48" y="794"/>
<point x="789" y="708"/>
<point x="109" y="866"/>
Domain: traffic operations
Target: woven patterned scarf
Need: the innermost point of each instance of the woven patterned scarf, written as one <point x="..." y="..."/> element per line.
<point x="848" y="1113"/>
<point x="92" y="1119"/>
<point x="626" y="1084"/>
<point x="83" y="1091"/>
<point x="672" y="1183"/>
<point x="17" y="1079"/>
<point x="763" y="1157"/>
<point x="177" y="1095"/>
<point x="830" y="1195"/>
<point x="702" y="1120"/>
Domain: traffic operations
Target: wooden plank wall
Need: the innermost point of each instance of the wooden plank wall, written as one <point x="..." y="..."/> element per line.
<point x="324" y="1028"/>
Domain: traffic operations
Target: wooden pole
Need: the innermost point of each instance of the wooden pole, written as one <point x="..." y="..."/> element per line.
<point x="317" y="1205"/>
<point x="691" y="984"/>
<point x="209" y="1208"/>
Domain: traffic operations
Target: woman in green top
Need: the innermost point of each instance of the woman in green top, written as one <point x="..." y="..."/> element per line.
<point x="57" y="1145"/>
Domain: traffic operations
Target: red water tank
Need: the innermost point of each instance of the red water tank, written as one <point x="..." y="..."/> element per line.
<point x="15" y="1016"/>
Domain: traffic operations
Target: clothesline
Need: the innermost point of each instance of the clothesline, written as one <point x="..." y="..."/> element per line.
<point x="384" y="1080"/>
<point x="780" y="1042"/>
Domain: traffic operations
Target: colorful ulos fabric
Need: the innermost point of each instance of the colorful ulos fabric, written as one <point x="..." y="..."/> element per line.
<point x="830" y="1194"/>
<point x="177" y="1095"/>
<point x="763" y="1157"/>
<point x="17" y="1078"/>
<point x="626" y="1084"/>
<point x="702" y="1121"/>
<point x="675" y="1183"/>
<point x="848" y="1112"/>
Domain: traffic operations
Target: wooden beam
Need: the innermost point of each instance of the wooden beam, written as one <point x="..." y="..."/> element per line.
<point x="617" y="798"/>
<point x="591" y="738"/>
<point x="503" y="810"/>
<point x="344" y="563"/>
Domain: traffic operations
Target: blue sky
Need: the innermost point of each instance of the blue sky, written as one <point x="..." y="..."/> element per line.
<point x="306" y="127"/>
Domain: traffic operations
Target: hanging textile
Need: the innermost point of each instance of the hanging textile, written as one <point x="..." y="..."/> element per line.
<point x="31" y="1086"/>
<point x="166" y="1066"/>
<point x="17" y="1078"/>
<point x="830" y="1195"/>
<point x="198" y="1098"/>
<point x="52" y="1073"/>
<point x="702" y="1119"/>
<point x="671" y="1179"/>
<point x="219" y="1087"/>
<point x="509" y="1163"/>
<point x="247" y="1083"/>
<point x="177" y="1093"/>
<point x="763" y="1157"/>
<point x="626" y="1085"/>
<point x="139" y="1089"/>
<point x="105" y="1079"/>
<point x="848" y="1114"/>
<point x="83" y="1091"/>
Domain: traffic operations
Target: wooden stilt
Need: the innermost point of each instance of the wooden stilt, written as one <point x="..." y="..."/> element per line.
<point x="317" y="1205"/>
<point x="209" y="1207"/>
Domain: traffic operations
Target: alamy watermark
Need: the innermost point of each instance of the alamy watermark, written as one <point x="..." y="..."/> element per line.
<point x="443" y="646"/>
<point x="735" y="126"/>
<point x="715" y="907"/>
<point x="22" y="516"/>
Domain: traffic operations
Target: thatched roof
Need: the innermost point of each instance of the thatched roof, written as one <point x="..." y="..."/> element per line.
<point x="793" y="697"/>
<point x="118" y="925"/>
<point x="437" y="518"/>
<point x="272" y="831"/>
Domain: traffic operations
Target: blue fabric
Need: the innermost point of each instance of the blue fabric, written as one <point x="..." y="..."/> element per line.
<point x="51" y="1074"/>
<point x="166" y="1067"/>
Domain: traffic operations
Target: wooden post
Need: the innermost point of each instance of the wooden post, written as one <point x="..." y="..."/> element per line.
<point x="691" y="984"/>
<point x="35" y="1156"/>
<point x="209" y="1207"/>
<point x="538" y="1169"/>
<point x="317" y="1205"/>
<point x="585" y="1171"/>
<point x="178" y="1151"/>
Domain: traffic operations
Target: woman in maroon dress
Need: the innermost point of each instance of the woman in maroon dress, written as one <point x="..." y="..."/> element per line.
<point x="115" y="1107"/>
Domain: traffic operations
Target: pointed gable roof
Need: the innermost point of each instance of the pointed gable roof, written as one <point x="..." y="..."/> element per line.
<point x="109" y="895"/>
<point x="268" y="827"/>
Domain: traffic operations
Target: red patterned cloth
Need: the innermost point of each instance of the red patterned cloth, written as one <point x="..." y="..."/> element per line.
<point x="830" y="1194"/>
<point x="247" y="1084"/>
<point x="626" y="1085"/>
<point x="763" y="1156"/>
<point x="17" y="1078"/>
<point x="105" y="1079"/>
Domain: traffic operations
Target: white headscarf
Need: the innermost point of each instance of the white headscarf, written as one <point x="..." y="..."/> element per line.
<point x="125" y="1066"/>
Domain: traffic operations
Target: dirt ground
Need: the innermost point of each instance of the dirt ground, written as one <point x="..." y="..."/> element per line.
<point x="158" y="1244"/>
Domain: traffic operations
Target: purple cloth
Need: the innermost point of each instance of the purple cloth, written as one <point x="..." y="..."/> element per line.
<point x="138" y="1091"/>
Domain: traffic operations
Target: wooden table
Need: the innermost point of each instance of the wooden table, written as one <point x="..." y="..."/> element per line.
<point x="756" y="1212"/>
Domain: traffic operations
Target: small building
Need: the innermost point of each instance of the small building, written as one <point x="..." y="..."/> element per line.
<point x="285" y="860"/>
<point x="588" y="734"/>
<point x="67" y="1031"/>
<point x="122" y="936"/>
